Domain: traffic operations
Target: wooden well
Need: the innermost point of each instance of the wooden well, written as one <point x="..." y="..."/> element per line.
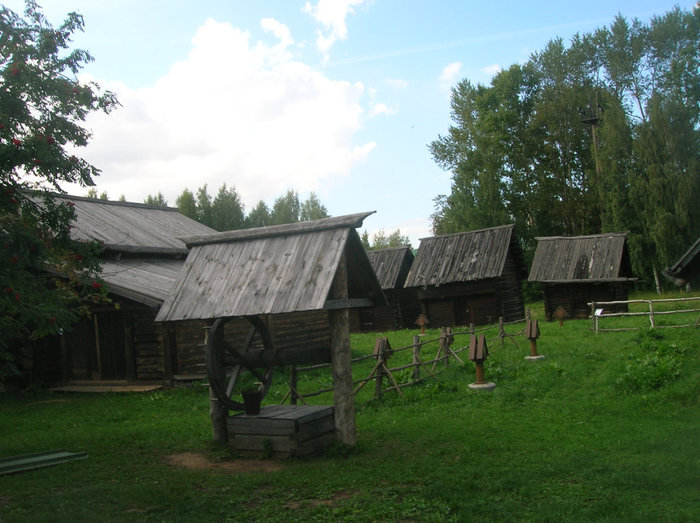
<point x="282" y="431"/>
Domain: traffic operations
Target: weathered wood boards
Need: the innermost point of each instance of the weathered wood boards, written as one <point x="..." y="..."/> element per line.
<point x="282" y="430"/>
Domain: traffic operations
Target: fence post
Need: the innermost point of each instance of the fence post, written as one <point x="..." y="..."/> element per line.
<point x="594" y="317"/>
<point x="379" y="350"/>
<point x="501" y="332"/>
<point x="416" y="358"/>
<point x="443" y="346"/>
<point x="651" y="314"/>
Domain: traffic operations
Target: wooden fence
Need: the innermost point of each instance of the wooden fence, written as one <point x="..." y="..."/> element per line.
<point x="429" y="357"/>
<point x="598" y="308"/>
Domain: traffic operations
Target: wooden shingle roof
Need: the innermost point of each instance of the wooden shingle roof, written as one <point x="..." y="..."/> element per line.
<point x="593" y="258"/>
<point x="464" y="257"/>
<point x="143" y="251"/>
<point x="391" y="265"/>
<point x="688" y="265"/>
<point x="132" y="227"/>
<point x="146" y="280"/>
<point x="271" y="270"/>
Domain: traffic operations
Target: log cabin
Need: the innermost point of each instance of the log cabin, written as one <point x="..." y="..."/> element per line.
<point x="141" y="258"/>
<point x="391" y="265"/>
<point x="470" y="277"/>
<point x="577" y="270"/>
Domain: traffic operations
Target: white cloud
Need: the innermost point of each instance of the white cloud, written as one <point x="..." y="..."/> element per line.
<point x="491" y="70"/>
<point x="450" y="75"/>
<point x="235" y="112"/>
<point x="331" y="14"/>
<point x="381" y="108"/>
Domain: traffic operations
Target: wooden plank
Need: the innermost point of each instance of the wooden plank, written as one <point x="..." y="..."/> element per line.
<point x="315" y="445"/>
<point x="316" y="428"/>
<point x="38" y="460"/>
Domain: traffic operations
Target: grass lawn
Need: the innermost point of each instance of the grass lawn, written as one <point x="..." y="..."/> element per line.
<point x="605" y="428"/>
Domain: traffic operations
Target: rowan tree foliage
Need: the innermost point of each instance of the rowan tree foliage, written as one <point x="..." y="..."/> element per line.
<point x="46" y="279"/>
<point x="600" y="135"/>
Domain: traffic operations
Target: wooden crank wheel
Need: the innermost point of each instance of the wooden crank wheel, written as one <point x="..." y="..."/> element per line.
<point x="235" y="359"/>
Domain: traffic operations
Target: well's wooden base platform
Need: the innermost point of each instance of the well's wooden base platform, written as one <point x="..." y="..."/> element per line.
<point x="282" y="430"/>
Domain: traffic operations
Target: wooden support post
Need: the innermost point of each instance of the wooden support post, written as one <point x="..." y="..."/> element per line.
<point x="443" y="346"/>
<point x="127" y="321"/>
<point x="168" y="340"/>
<point x="651" y="315"/>
<point x="416" y="358"/>
<point x="533" y="348"/>
<point x="501" y="331"/>
<point x="341" y="358"/>
<point x="97" y="374"/>
<point x="217" y="413"/>
<point x="379" y="376"/>
<point x="479" y="365"/>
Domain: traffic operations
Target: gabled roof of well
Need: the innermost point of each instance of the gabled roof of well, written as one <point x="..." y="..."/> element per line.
<point x="271" y="270"/>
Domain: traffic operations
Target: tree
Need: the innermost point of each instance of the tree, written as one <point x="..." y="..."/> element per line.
<point x="204" y="206"/>
<point x="42" y="107"/>
<point x="157" y="200"/>
<point x="381" y="241"/>
<point x="186" y="204"/>
<point x="286" y="209"/>
<point x="312" y="209"/>
<point x="259" y="216"/>
<point x="92" y="193"/>
<point x="227" y="210"/>
<point x="602" y="135"/>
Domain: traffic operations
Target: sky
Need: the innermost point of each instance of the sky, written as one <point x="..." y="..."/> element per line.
<point x="341" y="98"/>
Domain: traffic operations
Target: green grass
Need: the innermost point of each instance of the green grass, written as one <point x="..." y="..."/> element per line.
<point x="605" y="428"/>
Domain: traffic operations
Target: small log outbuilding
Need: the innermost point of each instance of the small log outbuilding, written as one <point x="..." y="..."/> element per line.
<point x="574" y="271"/>
<point x="470" y="277"/>
<point x="687" y="268"/>
<point x="295" y="282"/>
<point x="141" y="259"/>
<point x="391" y="266"/>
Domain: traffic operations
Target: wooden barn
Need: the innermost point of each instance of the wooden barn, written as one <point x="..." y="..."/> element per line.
<point x="141" y="260"/>
<point x="470" y="277"/>
<point x="277" y="296"/>
<point x="391" y="266"/>
<point x="574" y="271"/>
<point x="687" y="269"/>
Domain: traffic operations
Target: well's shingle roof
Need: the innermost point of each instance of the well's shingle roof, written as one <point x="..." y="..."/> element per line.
<point x="270" y="270"/>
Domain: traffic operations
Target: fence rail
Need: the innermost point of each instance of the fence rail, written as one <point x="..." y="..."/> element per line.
<point x="385" y="377"/>
<point x="597" y="308"/>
